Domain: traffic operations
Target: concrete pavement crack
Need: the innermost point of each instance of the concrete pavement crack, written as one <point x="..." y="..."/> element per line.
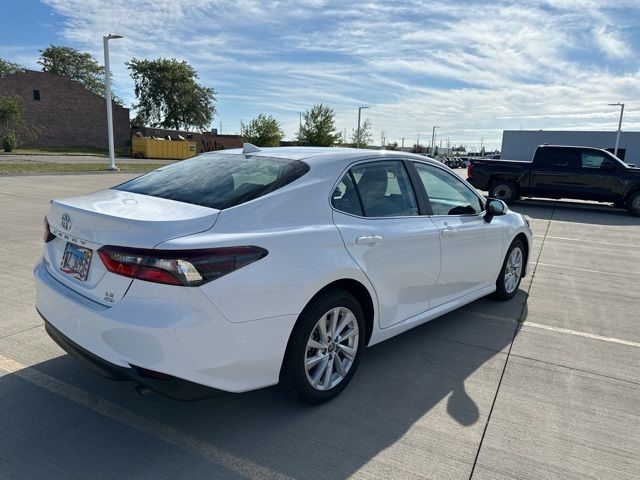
<point x="515" y="333"/>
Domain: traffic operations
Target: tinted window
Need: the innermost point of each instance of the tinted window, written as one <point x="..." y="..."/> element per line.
<point x="384" y="189"/>
<point x="345" y="198"/>
<point x="592" y="158"/>
<point x="218" y="180"/>
<point x="447" y="194"/>
<point x="558" y="157"/>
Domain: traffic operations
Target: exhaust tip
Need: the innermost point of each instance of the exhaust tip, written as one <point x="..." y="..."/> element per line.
<point x="142" y="390"/>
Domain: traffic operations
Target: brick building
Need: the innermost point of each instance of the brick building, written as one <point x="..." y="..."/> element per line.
<point x="64" y="113"/>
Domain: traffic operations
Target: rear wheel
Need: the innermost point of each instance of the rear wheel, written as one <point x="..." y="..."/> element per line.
<point x="325" y="348"/>
<point x="633" y="203"/>
<point x="511" y="273"/>
<point x="504" y="190"/>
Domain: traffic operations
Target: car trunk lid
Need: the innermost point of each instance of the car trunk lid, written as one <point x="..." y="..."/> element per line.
<point x="83" y="224"/>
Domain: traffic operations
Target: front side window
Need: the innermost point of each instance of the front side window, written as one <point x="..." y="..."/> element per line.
<point x="218" y="180"/>
<point x="592" y="159"/>
<point x="447" y="194"/>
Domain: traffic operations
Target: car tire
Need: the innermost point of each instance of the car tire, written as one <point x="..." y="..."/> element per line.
<point x="633" y="203"/>
<point x="511" y="272"/>
<point x="504" y="190"/>
<point x="306" y="338"/>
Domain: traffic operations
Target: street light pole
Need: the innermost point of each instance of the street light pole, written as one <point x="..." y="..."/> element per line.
<point x="107" y="82"/>
<point x="359" y="113"/>
<point x="433" y="139"/>
<point x="621" y="105"/>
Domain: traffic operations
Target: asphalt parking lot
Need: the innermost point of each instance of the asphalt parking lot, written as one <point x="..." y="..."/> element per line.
<point x="546" y="385"/>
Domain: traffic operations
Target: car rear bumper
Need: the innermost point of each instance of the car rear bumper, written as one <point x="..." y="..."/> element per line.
<point x="168" y="385"/>
<point x="170" y="330"/>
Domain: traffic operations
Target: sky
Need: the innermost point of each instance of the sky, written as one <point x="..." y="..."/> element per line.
<point x="473" y="68"/>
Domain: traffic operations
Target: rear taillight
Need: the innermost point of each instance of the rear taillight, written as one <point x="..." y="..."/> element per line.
<point x="470" y="170"/>
<point x="47" y="236"/>
<point x="178" y="267"/>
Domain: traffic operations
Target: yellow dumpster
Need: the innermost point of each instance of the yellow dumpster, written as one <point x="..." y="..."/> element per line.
<point x="142" y="147"/>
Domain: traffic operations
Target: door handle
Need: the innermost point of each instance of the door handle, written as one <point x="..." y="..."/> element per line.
<point x="369" y="240"/>
<point x="449" y="230"/>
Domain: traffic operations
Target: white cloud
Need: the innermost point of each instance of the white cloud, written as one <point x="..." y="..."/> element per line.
<point x="611" y="45"/>
<point x="473" y="68"/>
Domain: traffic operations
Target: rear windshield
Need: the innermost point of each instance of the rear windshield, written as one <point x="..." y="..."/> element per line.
<point x="218" y="180"/>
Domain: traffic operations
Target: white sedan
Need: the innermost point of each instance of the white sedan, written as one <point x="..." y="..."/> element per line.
<point x="240" y="269"/>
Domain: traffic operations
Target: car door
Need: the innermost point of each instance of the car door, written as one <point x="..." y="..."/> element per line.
<point x="470" y="247"/>
<point x="552" y="172"/>
<point x="387" y="233"/>
<point x="595" y="178"/>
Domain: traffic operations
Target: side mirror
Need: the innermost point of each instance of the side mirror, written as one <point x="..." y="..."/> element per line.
<point x="632" y="165"/>
<point x="494" y="207"/>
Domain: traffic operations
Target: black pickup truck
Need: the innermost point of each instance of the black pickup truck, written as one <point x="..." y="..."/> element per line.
<point x="560" y="172"/>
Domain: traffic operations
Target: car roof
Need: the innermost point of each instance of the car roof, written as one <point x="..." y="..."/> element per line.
<point x="323" y="155"/>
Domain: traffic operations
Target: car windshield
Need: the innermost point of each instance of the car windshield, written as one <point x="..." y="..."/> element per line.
<point x="218" y="180"/>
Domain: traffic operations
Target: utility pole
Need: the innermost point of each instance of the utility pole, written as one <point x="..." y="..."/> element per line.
<point x="220" y="127"/>
<point x="107" y="83"/>
<point x="300" y="123"/>
<point x="621" y="105"/>
<point x="433" y="139"/>
<point x="402" y="143"/>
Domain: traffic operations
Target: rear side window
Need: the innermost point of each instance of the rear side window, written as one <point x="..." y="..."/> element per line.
<point x="218" y="180"/>
<point x="345" y="197"/>
<point x="384" y="189"/>
<point x="559" y="157"/>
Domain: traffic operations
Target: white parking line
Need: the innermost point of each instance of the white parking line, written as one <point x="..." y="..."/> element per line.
<point x="587" y="270"/>
<point x="555" y="329"/>
<point x="240" y="465"/>
<point x="587" y="241"/>
<point x="582" y="334"/>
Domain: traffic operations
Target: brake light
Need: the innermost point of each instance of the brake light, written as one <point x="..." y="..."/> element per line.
<point x="178" y="267"/>
<point x="470" y="169"/>
<point x="47" y="236"/>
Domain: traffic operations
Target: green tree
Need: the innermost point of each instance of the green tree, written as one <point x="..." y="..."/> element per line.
<point x="76" y="65"/>
<point x="263" y="131"/>
<point x="365" y="136"/>
<point x="319" y="127"/>
<point x="8" y="68"/>
<point x="391" y="146"/>
<point x="11" y="113"/>
<point x="418" y="148"/>
<point x="169" y="95"/>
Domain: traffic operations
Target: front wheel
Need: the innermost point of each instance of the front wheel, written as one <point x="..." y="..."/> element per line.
<point x="511" y="273"/>
<point x="325" y="348"/>
<point x="633" y="203"/>
<point x="504" y="190"/>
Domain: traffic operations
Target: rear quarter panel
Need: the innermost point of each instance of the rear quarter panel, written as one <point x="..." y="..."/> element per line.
<point x="306" y="251"/>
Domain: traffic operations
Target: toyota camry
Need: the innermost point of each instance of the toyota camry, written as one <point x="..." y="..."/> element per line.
<point x="240" y="269"/>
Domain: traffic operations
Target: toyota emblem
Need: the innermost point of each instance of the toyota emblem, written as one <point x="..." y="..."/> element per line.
<point x="66" y="221"/>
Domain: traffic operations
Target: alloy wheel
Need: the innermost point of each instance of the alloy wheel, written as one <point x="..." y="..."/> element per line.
<point x="331" y="348"/>
<point x="513" y="270"/>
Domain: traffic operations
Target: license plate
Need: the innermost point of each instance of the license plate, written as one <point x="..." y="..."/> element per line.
<point x="76" y="261"/>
